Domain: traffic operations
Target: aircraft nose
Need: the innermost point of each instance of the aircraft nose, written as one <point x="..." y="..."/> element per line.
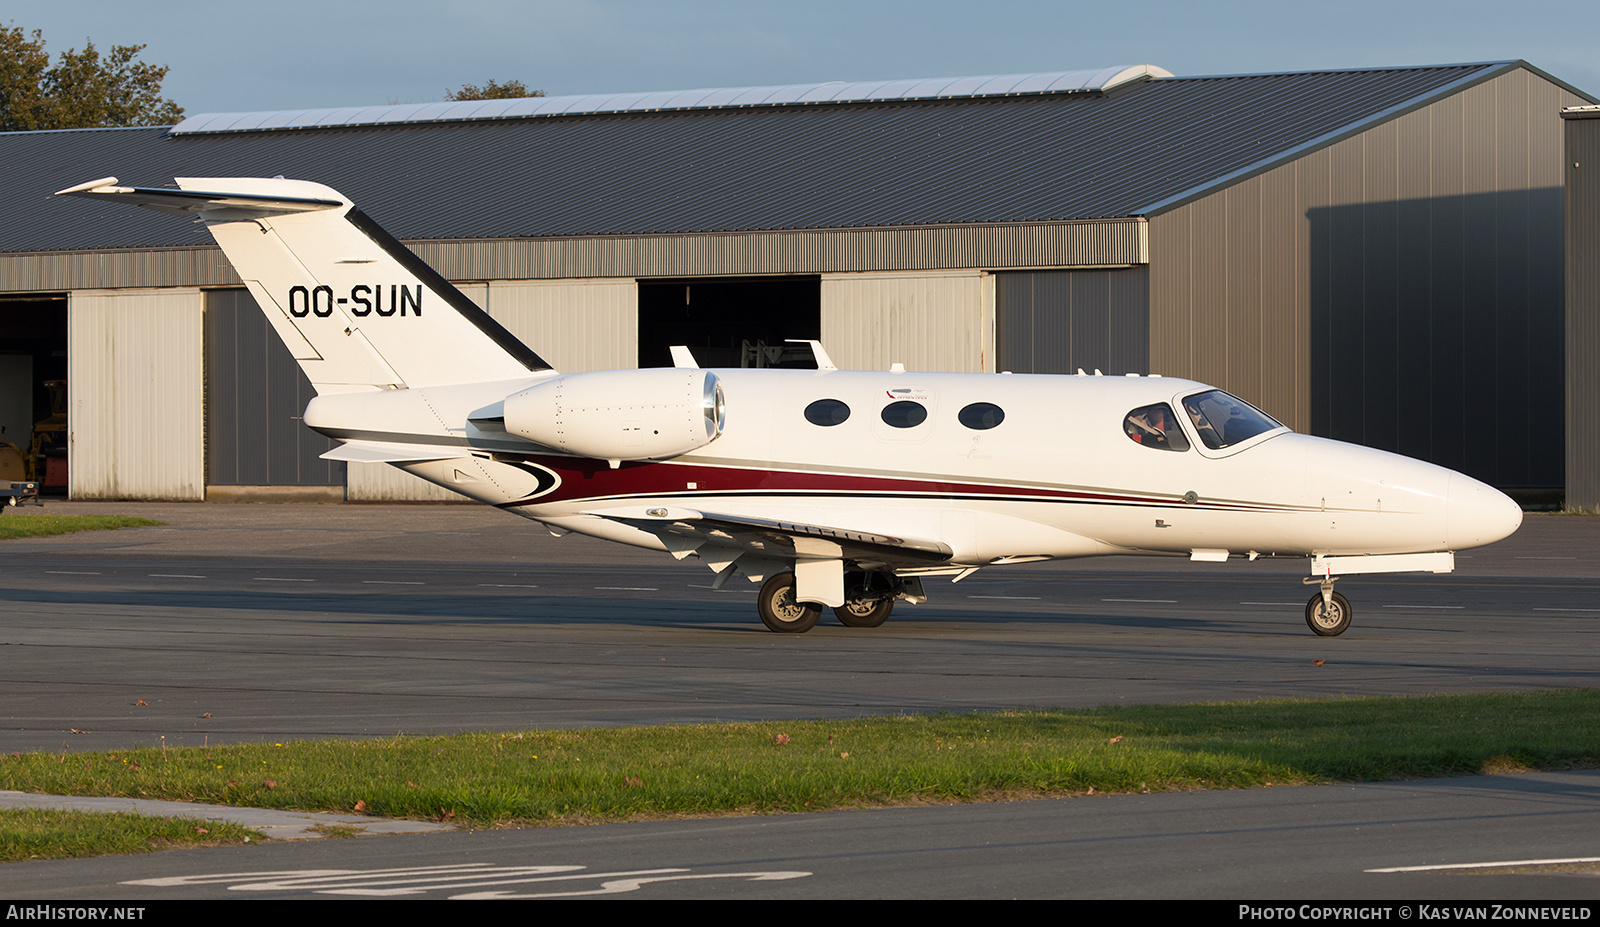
<point x="1479" y="514"/>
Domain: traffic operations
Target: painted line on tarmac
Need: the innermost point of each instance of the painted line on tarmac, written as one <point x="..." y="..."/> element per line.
<point x="1492" y="865"/>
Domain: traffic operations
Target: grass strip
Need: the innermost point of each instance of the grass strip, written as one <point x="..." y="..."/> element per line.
<point x="48" y="833"/>
<point x="570" y="776"/>
<point x="38" y="526"/>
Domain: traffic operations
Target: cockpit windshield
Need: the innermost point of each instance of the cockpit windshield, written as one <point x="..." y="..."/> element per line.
<point x="1223" y="420"/>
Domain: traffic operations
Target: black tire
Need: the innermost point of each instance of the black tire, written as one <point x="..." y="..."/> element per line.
<point x="1325" y="623"/>
<point x="862" y="613"/>
<point x="781" y="611"/>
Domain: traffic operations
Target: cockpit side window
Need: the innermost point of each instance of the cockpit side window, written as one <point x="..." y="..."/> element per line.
<point x="1155" y="426"/>
<point x="1223" y="420"/>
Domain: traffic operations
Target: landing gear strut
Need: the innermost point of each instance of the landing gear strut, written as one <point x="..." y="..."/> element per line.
<point x="868" y="600"/>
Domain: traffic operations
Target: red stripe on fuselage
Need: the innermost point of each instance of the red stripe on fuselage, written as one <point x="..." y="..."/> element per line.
<point x="595" y="479"/>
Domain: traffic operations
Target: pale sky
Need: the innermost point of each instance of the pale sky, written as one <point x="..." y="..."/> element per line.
<point x="293" y="54"/>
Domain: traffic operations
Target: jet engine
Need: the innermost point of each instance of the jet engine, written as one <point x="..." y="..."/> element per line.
<point x="618" y="415"/>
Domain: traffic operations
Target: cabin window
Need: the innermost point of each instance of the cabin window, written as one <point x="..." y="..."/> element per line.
<point x="1223" y="420"/>
<point x="904" y="414"/>
<point x="1155" y="426"/>
<point x="827" y="412"/>
<point x="981" y="416"/>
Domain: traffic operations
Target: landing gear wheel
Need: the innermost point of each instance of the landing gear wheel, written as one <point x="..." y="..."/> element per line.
<point x="864" y="613"/>
<point x="1328" y="622"/>
<point x="781" y="611"/>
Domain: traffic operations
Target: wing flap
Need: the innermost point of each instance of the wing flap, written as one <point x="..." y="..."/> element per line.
<point x="776" y="539"/>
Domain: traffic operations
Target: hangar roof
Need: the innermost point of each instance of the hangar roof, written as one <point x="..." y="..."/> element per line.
<point x="936" y="88"/>
<point x="1138" y="148"/>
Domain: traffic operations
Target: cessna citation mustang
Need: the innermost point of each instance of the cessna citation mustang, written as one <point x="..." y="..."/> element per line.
<point x="833" y="488"/>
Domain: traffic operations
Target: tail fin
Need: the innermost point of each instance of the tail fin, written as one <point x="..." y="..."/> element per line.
<point x="355" y="307"/>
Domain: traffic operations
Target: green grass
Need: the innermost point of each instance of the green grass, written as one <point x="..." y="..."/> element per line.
<point x="542" y="777"/>
<point x="45" y="833"/>
<point x="37" y="526"/>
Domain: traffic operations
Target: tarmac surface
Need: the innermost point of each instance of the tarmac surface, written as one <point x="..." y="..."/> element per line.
<point x="272" y="622"/>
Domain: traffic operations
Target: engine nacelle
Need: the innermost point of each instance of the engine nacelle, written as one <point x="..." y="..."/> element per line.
<point x="616" y="415"/>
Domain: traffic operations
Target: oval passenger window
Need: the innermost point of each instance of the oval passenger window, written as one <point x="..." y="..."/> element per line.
<point x="981" y="416"/>
<point x="827" y="412"/>
<point x="904" y="414"/>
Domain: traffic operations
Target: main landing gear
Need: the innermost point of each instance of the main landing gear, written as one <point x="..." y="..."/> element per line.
<point x="869" y="598"/>
<point x="1328" y="613"/>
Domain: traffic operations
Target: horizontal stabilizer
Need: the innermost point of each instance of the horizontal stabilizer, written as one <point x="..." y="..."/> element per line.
<point x="189" y="202"/>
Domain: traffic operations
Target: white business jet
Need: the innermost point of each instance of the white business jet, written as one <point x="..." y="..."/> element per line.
<point x="833" y="488"/>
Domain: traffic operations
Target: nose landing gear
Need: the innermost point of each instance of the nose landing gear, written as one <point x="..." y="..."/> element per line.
<point x="1328" y="613"/>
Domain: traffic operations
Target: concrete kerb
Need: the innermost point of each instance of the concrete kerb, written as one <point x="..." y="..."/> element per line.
<point x="275" y="824"/>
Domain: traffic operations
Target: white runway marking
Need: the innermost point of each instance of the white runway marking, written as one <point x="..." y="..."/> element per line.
<point x="452" y="879"/>
<point x="1493" y="865"/>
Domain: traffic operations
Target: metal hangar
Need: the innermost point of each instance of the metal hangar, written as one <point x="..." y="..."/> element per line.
<point x="1374" y="255"/>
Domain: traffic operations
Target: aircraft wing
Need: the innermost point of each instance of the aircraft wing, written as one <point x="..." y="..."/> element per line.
<point x="762" y="545"/>
<point x="383" y="452"/>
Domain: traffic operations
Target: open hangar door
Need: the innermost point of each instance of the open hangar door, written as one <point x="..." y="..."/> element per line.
<point x="730" y="321"/>
<point x="33" y="355"/>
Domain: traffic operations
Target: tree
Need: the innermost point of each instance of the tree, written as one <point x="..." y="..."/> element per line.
<point x="82" y="91"/>
<point x="493" y="90"/>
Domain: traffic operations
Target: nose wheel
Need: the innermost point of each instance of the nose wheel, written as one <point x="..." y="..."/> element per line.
<point x="1328" y="614"/>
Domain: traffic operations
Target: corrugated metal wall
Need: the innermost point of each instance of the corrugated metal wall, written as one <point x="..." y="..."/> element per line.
<point x="1057" y="321"/>
<point x="807" y="251"/>
<point x="136" y="387"/>
<point x="575" y="325"/>
<point x="1583" y="311"/>
<point x="1399" y="288"/>
<point x="940" y="321"/>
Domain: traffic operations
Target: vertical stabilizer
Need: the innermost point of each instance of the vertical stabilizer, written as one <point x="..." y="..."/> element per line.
<point x="355" y="307"/>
